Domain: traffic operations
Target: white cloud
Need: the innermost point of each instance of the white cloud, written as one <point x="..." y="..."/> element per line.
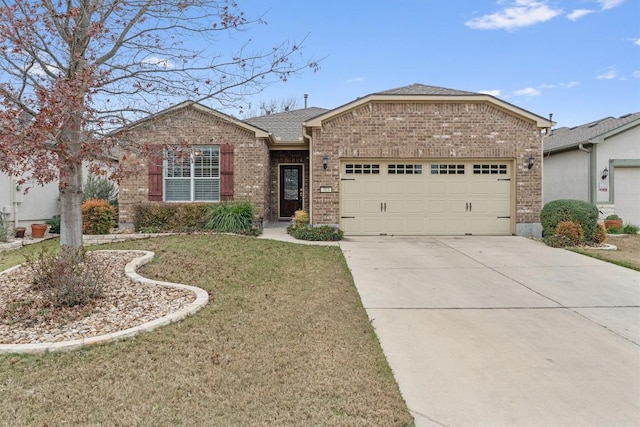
<point x="609" y="75"/>
<point x="579" y="13"/>
<point x="356" y="80"/>
<point x="493" y="92"/>
<point x="521" y="13"/>
<point x="636" y="42"/>
<point x="610" y="4"/>
<point x="636" y="74"/>
<point x="569" y="85"/>
<point x="158" y="62"/>
<point x="528" y="91"/>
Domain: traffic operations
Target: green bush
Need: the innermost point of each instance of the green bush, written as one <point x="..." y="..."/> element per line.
<point x="630" y="229"/>
<point x="322" y="233"/>
<point x="98" y="217"/>
<point x="169" y="217"/>
<point x="579" y="211"/>
<point x="230" y="217"/>
<point x="54" y="224"/>
<point x="101" y="189"/>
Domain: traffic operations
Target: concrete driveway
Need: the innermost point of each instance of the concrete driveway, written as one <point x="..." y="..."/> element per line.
<point x="502" y="331"/>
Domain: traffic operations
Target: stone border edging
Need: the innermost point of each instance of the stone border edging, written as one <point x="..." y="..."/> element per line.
<point x="202" y="298"/>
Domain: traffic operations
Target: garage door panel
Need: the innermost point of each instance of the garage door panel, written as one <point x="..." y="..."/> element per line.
<point x="627" y="194"/>
<point x="448" y="199"/>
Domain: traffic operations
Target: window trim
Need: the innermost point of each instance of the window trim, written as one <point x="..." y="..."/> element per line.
<point x="192" y="178"/>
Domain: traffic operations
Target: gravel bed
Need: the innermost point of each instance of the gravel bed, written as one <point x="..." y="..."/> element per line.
<point x="26" y="319"/>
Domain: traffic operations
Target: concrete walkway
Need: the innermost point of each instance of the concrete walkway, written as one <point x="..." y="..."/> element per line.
<point x="503" y="331"/>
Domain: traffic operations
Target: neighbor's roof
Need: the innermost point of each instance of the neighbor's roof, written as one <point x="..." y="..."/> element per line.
<point x="286" y="126"/>
<point x="594" y="132"/>
<point x="420" y="92"/>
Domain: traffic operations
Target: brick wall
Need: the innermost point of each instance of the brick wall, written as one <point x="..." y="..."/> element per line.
<point x="193" y="127"/>
<point x="423" y="130"/>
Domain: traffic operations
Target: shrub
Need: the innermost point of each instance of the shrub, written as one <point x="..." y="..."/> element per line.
<point x="323" y="233"/>
<point x="54" y="224"/>
<point x="630" y="229"/>
<point x="557" y="241"/>
<point x="584" y="213"/>
<point x="572" y="231"/>
<point x="612" y="217"/>
<point x="67" y="280"/>
<point x="5" y="229"/>
<point x="100" y="188"/>
<point x="301" y="218"/>
<point x="97" y="217"/>
<point x="600" y="235"/>
<point x="169" y="217"/>
<point x="230" y="217"/>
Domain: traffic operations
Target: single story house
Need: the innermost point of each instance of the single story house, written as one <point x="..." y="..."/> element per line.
<point x="598" y="162"/>
<point x="417" y="160"/>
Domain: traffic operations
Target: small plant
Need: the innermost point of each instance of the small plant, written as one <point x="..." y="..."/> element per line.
<point x="557" y="241"/>
<point x="600" y="235"/>
<point x="69" y="279"/>
<point x="101" y="189"/>
<point x="630" y="229"/>
<point x="230" y="217"/>
<point x="54" y="224"/>
<point x="322" y="233"/>
<point x="6" y="231"/>
<point x="301" y="218"/>
<point x="612" y="217"/>
<point x="97" y="217"/>
<point x="572" y="230"/>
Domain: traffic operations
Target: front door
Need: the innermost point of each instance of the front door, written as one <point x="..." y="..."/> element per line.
<point x="291" y="181"/>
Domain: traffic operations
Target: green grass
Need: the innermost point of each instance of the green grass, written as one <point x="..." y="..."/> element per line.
<point x="284" y="341"/>
<point x="627" y="255"/>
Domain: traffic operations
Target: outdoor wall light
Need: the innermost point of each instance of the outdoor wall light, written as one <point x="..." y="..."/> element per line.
<point x="531" y="160"/>
<point x="325" y="162"/>
<point x="605" y="173"/>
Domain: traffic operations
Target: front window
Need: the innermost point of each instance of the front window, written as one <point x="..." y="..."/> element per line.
<point x="192" y="175"/>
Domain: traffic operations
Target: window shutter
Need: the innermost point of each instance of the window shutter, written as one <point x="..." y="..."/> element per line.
<point x="226" y="172"/>
<point x="155" y="174"/>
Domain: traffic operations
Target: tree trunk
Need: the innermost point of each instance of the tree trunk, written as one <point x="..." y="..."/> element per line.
<point x="71" y="208"/>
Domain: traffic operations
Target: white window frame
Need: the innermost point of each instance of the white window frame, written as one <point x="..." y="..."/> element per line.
<point x="190" y="173"/>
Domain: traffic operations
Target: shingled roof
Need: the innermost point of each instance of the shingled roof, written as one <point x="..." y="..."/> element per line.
<point x="286" y="126"/>
<point x="566" y="138"/>
<point x="420" y="89"/>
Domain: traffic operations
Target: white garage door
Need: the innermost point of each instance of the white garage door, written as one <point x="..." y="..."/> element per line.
<point x="426" y="198"/>
<point x="627" y="194"/>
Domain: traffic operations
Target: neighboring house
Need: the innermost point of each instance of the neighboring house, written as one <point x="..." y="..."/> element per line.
<point x="417" y="160"/>
<point x="38" y="205"/>
<point x="598" y="162"/>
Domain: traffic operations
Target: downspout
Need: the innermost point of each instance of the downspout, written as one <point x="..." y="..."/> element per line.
<point x="310" y="138"/>
<point x="592" y="176"/>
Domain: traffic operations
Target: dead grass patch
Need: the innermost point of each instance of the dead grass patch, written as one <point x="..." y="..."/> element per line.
<point x="627" y="255"/>
<point x="284" y="341"/>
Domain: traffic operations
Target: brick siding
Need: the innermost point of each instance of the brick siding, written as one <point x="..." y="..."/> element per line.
<point x="427" y="130"/>
<point x="193" y="127"/>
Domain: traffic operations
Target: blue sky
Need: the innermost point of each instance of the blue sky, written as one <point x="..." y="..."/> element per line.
<point x="579" y="60"/>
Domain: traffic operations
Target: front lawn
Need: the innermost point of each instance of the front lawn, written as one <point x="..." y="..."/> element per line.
<point x="284" y="341"/>
<point x="627" y="255"/>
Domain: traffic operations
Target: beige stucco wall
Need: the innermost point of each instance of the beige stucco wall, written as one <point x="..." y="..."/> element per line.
<point x="566" y="176"/>
<point x="622" y="146"/>
<point x="38" y="205"/>
<point x="427" y="130"/>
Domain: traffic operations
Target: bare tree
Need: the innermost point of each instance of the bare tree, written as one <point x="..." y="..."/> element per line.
<point x="74" y="69"/>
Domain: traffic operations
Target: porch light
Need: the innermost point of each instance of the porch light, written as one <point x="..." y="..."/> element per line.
<point x="605" y="173"/>
<point x="325" y="162"/>
<point x="531" y="161"/>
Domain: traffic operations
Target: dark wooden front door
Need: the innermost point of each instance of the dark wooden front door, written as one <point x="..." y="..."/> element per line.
<point x="291" y="181"/>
